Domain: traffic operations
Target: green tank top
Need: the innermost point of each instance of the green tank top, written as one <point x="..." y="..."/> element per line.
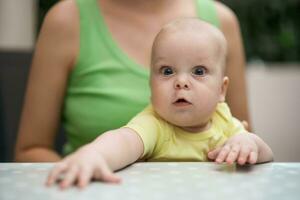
<point x="106" y="88"/>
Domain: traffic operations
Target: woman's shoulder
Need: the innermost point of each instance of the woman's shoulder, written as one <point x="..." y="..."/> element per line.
<point x="63" y="17"/>
<point x="61" y="27"/>
<point x="227" y="17"/>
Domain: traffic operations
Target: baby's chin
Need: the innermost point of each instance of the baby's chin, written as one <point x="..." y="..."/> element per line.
<point x="195" y="128"/>
<point x="182" y="119"/>
<point x="187" y="124"/>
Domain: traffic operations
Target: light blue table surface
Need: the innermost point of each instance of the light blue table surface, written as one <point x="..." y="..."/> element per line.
<point x="168" y="180"/>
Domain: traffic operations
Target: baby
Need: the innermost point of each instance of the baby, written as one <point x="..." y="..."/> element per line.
<point x="187" y="120"/>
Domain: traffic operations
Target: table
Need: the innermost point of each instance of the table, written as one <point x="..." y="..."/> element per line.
<point x="161" y="180"/>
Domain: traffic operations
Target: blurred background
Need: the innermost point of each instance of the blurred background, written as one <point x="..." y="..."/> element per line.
<point x="271" y="34"/>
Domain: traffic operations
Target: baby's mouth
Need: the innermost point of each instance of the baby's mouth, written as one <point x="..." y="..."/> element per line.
<point x="181" y="102"/>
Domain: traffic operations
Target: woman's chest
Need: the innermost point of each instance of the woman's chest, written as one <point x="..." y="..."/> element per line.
<point x="134" y="32"/>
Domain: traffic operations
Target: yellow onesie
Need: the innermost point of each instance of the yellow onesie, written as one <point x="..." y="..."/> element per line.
<point x="166" y="142"/>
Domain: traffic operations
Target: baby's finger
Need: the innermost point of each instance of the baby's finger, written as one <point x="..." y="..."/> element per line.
<point x="245" y="124"/>
<point x="243" y="156"/>
<point x="233" y="154"/>
<point x="223" y="154"/>
<point x="70" y="177"/>
<point x="213" y="154"/>
<point x="108" y="176"/>
<point x="56" y="172"/>
<point x="252" y="157"/>
<point x="84" y="176"/>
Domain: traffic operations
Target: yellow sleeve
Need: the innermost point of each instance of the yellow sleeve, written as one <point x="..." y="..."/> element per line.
<point x="236" y="127"/>
<point x="146" y="126"/>
<point x="232" y="126"/>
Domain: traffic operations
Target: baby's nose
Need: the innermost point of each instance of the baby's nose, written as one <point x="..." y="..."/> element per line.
<point x="181" y="86"/>
<point x="182" y="83"/>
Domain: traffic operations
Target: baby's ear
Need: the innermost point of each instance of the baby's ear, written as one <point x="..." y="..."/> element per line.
<point x="224" y="87"/>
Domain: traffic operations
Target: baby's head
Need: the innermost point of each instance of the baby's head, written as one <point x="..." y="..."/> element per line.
<point x="187" y="73"/>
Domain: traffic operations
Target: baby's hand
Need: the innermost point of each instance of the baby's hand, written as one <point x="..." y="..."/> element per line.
<point x="80" y="167"/>
<point x="240" y="148"/>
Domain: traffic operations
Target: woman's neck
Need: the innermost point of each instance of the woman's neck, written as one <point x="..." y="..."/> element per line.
<point x="143" y="7"/>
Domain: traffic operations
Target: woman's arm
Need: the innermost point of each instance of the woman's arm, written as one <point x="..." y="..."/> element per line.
<point x="55" y="54"/>
<point x="235" y="68"/>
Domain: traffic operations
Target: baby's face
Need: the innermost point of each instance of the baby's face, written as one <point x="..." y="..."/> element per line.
<point x="187" y="80"/>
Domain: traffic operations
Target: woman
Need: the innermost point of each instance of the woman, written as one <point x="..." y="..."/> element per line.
<point x="90" y="71"/>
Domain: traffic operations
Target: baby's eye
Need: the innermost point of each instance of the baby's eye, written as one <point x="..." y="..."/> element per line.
<point x="166" y="71"/>
<point x="199" y="70"/>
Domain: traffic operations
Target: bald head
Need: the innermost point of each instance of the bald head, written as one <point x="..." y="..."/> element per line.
<point x="189" y="27"/>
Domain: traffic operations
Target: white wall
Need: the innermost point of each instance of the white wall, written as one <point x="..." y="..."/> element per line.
<point x="17" y="24"/>
<point x="274" y="95"/>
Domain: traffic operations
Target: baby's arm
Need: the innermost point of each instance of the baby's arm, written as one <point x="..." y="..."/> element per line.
<point x="242" y="148"/>
<point x="111" y="151"/>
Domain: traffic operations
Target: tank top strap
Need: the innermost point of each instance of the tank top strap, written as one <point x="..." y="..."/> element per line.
<point x="90" y="35"/>
<point x="206" y="11"/>
<point x="96" y="39"/>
